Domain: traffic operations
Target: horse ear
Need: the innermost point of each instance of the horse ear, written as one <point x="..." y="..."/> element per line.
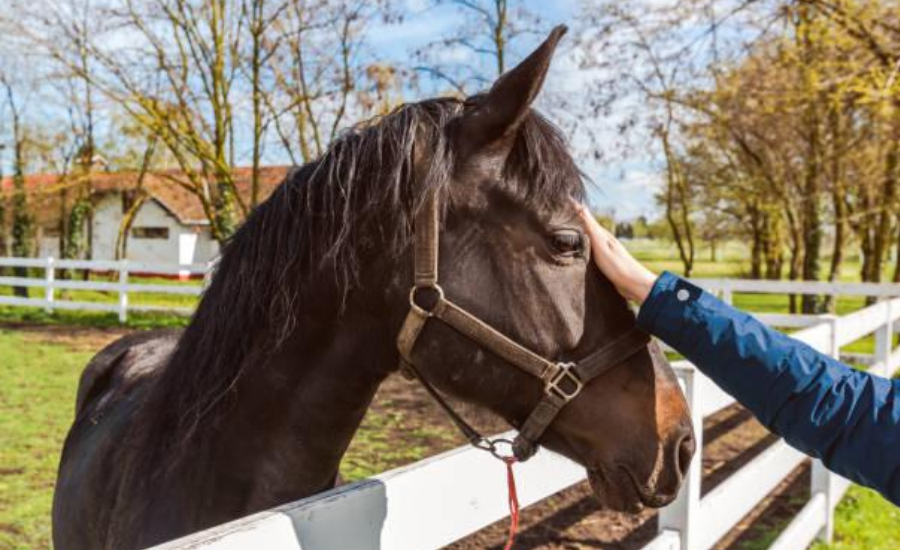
<point x="499" y="111"/>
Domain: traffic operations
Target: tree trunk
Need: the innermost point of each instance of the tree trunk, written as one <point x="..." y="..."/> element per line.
<point x="4" y="239"/>
<point x="897" y="254"/>
<point x="257" y="28"/>
<point x="125" y="226"/>
<point x="886" y="214"/>
<point x="812" y="220"/>
<point x="774" y="245"/>
<point x="838" y="192"/>
<point x="677" y="213"/>
<point x="139" y="199"/>
<point x="757" y="240"/>
<point x="22" y="227"/>
<point x="796" y="265"/>
<point x="811" y="121"/>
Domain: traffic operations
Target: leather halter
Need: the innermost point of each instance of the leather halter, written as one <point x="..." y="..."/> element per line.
<point x="563" y="381"/>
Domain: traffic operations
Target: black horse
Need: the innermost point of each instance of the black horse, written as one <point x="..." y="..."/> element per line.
<point x="255" y="402"/>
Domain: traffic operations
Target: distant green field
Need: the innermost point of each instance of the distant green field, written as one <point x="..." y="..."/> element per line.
<point x="732" y="260"/>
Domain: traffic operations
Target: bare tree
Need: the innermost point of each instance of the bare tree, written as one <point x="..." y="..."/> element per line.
<point x="317" y="71"/>
<point x="204" y="75"/>
<point x="478" y="50"/>
<point x="175" y="79"/>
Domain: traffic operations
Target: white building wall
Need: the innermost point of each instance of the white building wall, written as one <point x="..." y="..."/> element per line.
<point x="48" y="247"/>
<point x="108" y="216"/>
<point x="207" y="248"/>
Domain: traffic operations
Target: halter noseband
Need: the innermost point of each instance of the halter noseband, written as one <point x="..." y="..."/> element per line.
<point x="563" y="381"/>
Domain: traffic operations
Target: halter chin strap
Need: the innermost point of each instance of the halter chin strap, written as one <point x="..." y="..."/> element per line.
<point x="563" y="381"/>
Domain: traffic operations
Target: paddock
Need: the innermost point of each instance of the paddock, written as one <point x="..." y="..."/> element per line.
<point x="454" y="494"/>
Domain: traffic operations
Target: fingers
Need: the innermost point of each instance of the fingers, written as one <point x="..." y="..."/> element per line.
<point x="588" y="220"/>
<point x="629" y="276"/>
<point x="598" y="234"/>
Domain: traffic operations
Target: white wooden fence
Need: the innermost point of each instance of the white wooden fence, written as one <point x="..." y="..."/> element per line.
<point x="429" y="504"/>
<point x="118" y="284"/>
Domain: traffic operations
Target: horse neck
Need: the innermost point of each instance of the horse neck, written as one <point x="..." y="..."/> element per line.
<point x="295" y="416"/>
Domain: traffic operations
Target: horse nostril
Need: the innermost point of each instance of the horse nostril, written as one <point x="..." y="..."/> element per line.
<point x="686" y="448"/>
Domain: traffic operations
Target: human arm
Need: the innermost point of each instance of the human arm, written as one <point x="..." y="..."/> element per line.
<point x="849" y="419"/>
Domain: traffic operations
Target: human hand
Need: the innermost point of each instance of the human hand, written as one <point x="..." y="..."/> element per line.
<point x="629" y="276"/>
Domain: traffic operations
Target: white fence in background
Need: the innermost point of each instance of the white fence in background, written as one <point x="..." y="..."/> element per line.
<point x="118" y="284"/>
<point x="121" y="270"/>
<point x="429" y="504"/>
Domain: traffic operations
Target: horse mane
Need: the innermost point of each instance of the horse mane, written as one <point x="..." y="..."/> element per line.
<point x="361" y="193"/>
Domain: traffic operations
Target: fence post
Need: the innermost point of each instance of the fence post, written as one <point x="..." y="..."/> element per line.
<point x="727" y="296"/>
<point x="123" y="291"/>
<point x="49" y="278"/>
<point x="884" y="342"/>
<point x="208" y="274"/>
<point x="683" y="515"/>
<point x="824" y="481"/>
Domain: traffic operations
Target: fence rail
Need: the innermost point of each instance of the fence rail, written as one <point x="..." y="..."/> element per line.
<point x="122" y="287"/>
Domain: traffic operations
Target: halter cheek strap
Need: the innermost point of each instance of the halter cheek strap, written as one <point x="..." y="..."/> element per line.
<point x="563" y="381"/>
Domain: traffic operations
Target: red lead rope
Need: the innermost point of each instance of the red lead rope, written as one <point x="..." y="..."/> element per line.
<point x="513" y="502"/>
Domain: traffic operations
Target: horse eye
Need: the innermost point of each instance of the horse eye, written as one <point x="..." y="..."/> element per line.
<point x="567" y="242"/>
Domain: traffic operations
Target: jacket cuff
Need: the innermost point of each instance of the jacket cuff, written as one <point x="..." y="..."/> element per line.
<point x="668" y="307"/>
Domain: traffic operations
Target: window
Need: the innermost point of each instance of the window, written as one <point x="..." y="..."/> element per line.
<point x="150" y="233"/>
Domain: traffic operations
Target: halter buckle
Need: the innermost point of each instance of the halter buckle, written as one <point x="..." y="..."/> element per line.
<point x="564" y="383"/>
<point x="436" y="288"/>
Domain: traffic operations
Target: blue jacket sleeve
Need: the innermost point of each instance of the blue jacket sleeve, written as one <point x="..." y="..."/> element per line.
<point x="849" y="419"/>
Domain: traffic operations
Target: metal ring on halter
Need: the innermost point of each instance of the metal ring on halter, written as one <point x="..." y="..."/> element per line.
<point x="493" y="446"/>
<point x="419" y="309"/>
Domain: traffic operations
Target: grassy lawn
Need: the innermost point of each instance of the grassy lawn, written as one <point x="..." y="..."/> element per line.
<point x="36" y="405"/>
<point x="865" y="521"/>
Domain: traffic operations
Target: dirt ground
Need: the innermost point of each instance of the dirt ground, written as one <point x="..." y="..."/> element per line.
<point x="571" y="519"/>
<point x="76" y="338"/>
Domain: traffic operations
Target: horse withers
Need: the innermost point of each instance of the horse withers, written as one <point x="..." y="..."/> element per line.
<point x="255" y="402"/>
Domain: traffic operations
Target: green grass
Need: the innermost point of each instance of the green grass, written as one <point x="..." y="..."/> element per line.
<point x="36" y="405"/>
<point x="865" y="521"/>
<point x="375" y="449"/>
<point x="136" y="320"/>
